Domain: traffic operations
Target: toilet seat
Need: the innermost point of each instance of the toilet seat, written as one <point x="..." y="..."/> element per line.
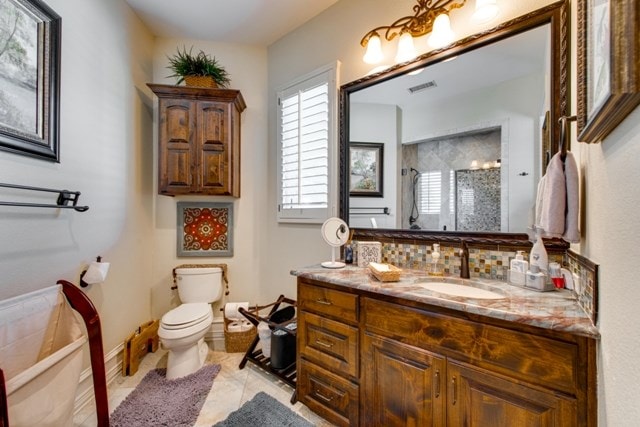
<point x="186" y="315"/>
<point x="184" y="320"/>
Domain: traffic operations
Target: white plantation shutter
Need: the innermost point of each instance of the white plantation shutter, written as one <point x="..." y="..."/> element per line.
<point x="306" y="141"/>
<point x="430" y="192"/>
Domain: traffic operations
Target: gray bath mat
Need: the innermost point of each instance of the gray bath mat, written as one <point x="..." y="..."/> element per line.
<point x="157" y="401"/>
<point x="265" y="411"/>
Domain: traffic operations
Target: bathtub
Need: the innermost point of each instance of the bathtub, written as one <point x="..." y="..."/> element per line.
<point x="41" y="355"/>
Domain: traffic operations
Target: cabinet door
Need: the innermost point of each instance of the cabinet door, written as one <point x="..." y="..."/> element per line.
<point x="402" y="385"/>
<point x="177" y="153"/>
<point x="479" y="398"/>
<point x="214" y="145"/>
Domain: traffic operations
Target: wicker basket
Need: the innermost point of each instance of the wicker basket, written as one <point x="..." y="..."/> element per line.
<point x="200" y="81"/>
<point x="237" y="342"/>
<point x="393" y="275"/>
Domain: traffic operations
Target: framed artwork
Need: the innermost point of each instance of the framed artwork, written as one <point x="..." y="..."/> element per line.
<point x="205" y="229"/>
<point x="608" y="66"/>
<point x="29" y="79"/>
<point x="366" y="169"/>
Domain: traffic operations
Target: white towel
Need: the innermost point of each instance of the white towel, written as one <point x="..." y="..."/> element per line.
<point x="571" y="230"/>
<point x="557" y="200"/>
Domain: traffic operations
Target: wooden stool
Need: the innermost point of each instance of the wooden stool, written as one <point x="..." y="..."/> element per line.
<point x="138" y="344"/>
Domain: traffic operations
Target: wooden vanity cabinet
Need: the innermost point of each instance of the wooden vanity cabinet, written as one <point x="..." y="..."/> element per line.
<point x="402" y="385"/>
<point x="425" y="366"/>
<point x="479" y="398"/>
<point x="328" y="353"/>
<point x="199" y="140"/>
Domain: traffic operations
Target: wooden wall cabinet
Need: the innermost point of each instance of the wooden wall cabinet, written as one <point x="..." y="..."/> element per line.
<point x="199" y="140"/>
<point x="424" y="367"/>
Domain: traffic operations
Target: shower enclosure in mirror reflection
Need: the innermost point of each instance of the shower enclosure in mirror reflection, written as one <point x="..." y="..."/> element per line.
<point x="467" y="130"/>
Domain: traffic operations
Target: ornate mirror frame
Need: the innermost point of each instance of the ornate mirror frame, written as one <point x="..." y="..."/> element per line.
<point x="555" y="14"/>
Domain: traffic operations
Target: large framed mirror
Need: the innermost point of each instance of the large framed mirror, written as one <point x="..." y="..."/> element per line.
<point x="467" y="131"/>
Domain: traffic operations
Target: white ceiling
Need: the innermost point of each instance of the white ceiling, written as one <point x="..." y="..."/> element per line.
<point x="253" y="22"/>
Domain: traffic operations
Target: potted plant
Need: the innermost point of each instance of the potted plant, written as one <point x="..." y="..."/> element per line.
<point x="198" y="70"/>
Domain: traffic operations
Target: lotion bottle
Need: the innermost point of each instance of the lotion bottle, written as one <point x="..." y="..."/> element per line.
<point x="519" y="264"/>
<point x="538" y="254"/>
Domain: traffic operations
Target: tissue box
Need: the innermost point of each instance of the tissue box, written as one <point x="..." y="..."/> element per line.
<point x="369" y="252"/>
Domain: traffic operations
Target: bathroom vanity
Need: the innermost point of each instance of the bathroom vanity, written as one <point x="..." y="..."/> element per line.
<point x="399" y="353"/>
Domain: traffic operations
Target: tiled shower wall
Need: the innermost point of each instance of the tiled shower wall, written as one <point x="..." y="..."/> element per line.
<point x="445" y="155"/>
<point x="494" y="264"/>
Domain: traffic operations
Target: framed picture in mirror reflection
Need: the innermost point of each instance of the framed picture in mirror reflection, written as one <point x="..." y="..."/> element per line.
<point x="366" y="169"/>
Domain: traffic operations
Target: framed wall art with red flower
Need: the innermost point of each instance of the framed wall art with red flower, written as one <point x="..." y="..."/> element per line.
<point x="205" y="229"/>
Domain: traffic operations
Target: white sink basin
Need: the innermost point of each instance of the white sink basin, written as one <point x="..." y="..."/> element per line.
<point x="458" y="290"/>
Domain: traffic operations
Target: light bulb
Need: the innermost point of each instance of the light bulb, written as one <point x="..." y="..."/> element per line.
<point x="406" y="50"/>
<point x="441" y="34"/>
<point x="486" y="10"/>
<point x="373" y="55"/>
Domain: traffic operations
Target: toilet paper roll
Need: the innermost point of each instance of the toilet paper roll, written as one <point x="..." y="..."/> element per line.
<point x="231" y="310"/>
<point x="96" y="273"/>
<point x="234" y="327"/>
<point x="245" y="325"/>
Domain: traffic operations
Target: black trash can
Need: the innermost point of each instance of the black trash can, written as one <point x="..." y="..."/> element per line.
<point x="283" y="349"/>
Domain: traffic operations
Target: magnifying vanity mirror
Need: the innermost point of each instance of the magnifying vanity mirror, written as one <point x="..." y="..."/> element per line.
<point x="466" y="133"/>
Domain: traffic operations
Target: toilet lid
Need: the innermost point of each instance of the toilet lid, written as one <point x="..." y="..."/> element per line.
<point x="186" y="315"/>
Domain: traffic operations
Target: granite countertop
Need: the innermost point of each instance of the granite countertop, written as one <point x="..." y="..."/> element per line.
<point x="556" y="310"/>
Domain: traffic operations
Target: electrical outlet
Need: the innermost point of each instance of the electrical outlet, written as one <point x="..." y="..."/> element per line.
<point x="577" y="284"/>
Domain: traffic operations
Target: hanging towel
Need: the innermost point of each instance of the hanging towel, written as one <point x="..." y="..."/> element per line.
<point x="557" y="199"/>
<point x="571" y="231"/>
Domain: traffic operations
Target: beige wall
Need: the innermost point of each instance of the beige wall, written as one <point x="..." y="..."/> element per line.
<point x="247" y="66"/>
<point x="609" y="193"/>
<point x="106" y="154"/>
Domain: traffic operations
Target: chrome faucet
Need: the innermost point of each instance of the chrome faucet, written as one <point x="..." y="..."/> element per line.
<point x="464" y="259"/>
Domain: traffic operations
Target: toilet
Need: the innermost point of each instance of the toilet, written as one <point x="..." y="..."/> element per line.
<point x="182" y="329"/>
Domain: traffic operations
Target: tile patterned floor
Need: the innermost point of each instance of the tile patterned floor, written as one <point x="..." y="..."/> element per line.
<point x="231" y="388"/>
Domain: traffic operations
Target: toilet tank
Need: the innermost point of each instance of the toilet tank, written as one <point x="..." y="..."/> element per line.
<point x="199" y="284"/>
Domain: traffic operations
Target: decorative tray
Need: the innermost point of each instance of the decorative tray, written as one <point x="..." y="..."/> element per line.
<point x="385" y="272"/>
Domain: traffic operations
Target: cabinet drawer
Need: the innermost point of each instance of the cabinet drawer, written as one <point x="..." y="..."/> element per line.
<point x="326" y="342"/>
<point x="339" y="305"/>
<point x="334" y="398"/>
<point x="544" y="361"/>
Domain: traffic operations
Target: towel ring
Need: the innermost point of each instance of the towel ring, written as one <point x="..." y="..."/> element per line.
<point x="564" y="134"/>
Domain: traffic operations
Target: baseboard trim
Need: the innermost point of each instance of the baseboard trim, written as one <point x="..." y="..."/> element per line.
<point x="113" y="368"/>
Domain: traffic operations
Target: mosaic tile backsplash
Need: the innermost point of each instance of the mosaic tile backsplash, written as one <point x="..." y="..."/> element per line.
<point x="494" y="265"/>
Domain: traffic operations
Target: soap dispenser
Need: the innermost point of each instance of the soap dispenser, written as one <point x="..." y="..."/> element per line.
<point x="538" y="254"/>
<point x="518" y="270"/>
<point x="435" y="269"/>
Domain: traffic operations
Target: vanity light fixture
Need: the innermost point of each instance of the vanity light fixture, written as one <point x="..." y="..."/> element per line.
<point x="442" y="33"/>
<point x="429" y="17"/>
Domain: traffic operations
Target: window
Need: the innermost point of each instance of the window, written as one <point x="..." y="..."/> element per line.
<point x="307" y="146"/>
<point x="430" y="192"/>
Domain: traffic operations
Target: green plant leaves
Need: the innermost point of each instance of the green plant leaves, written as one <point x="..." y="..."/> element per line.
<point x="184" y="63"/>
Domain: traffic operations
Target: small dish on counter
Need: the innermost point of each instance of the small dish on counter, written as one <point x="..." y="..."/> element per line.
<point x="385" y="272"/>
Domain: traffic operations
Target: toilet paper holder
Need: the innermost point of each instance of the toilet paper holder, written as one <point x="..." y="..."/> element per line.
<point x="96" y="273"/>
